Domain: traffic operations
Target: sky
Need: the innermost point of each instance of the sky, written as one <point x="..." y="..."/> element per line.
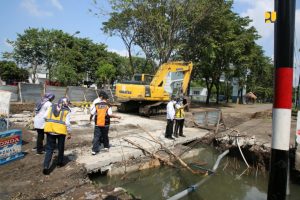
<point x="74" y="15"/>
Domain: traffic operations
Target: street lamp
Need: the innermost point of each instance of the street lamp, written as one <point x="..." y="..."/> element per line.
<point x="65" y="44"/>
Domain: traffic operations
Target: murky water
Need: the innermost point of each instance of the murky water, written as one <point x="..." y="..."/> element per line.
<point x="164" y="182"/>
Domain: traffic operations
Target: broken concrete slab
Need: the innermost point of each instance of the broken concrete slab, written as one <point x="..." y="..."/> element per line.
<point x="128" y="127"/>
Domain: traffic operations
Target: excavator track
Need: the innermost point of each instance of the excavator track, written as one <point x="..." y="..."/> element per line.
<point x="153" y="109"/>
<point x="143" y="108"/>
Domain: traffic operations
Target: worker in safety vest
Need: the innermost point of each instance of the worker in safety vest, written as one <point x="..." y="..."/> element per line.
<point x="179" y="118"/>
<point x="102" y="113"/>
<point x="57" y="127"/>
<point x="96" y="101"/>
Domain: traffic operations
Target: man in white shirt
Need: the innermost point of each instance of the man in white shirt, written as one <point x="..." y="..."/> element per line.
<point x="102" y="112"/>
<point x="170" y="119"/>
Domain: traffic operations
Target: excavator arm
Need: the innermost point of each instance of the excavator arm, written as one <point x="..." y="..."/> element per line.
<point x="185" y="68"/>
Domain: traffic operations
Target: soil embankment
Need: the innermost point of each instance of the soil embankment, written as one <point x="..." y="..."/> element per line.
<point x="23" y="179"/>
<point x="250" y="127"/>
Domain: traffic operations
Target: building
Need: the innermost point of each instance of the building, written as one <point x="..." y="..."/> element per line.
<point x="40" y="78"/>
<point x="198" y="94"/>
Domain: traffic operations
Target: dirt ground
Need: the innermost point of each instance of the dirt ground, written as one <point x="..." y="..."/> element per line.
<point x="23" y="179"/>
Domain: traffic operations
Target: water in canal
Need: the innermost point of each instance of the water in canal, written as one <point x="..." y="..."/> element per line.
<point x="164" y="182"/>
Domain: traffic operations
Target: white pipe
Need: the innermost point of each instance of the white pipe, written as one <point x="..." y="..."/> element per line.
<point x="237" y="142"/>
<point x="193" y="187"/>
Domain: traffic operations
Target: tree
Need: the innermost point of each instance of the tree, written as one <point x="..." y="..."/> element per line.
<point x="105" y="72"/>
<point x="123" y="25"/>
<point x="50" y="49"/>
<point x="155" y="26"/>
<point x="214" y="43"/>
<point x="27" y="50"/>
<point x="10" y="73"/>
<point x="66" y="75"/>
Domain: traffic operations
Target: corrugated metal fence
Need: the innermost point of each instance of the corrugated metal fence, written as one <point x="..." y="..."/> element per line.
<point x="57" y="91"/>
<point x="14" y="91"/>
<point x="26" y="92"/>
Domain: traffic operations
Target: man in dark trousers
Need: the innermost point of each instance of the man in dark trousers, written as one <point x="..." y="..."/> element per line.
<point x="179" y="117"/>
<point x="102" y="112"/>
<point x="170" y="119"/>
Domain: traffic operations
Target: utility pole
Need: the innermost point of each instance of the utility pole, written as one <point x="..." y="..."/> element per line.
<point x="281" y="125"/>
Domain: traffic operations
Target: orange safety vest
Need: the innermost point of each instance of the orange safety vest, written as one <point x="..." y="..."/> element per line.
<point x="56" y="124"/>
<point x="102" y="118"/>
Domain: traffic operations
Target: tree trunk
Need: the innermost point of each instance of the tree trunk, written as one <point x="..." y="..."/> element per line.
<point x="34" y="67"/>
<point x="145" y="65"/>
<point x="130" y="60"/>
<point x="209" y="87"/>
<point x="217" y="85"/>
<point x="241" y="95"/>
<point x="227" y="92"/>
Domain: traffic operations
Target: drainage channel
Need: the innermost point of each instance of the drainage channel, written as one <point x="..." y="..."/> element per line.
<point x="230" y="181"/>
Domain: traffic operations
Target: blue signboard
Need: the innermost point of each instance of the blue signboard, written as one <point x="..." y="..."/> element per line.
<point x="10" y="146"/>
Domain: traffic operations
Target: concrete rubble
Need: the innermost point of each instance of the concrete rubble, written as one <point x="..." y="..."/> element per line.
<point x="121" y="151"/>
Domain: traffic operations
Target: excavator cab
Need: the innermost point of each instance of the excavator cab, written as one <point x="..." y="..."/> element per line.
<point x="144" y="79"/>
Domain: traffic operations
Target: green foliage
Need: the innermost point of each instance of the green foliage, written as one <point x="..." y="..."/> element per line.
<point x="155" y="26"/>
<point x="9" y="72"/>
<point x="197" y="83"/>
<point x="264" y="94"/>
<point x="105" y="72"/>
<point x="218" y="41"/>
<point x="28" y="50"/>
<point x="66" y="75"/>
<point x="57" y="51"/>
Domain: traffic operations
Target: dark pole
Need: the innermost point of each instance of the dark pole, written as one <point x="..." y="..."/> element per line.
<point x="283" y="61"/>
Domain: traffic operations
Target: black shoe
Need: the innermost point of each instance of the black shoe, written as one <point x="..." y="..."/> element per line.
<point x="182" y="135"/>
<point x="46" y="171"/>
<point x="59" y="165"/>
<point x="176" y="136"/>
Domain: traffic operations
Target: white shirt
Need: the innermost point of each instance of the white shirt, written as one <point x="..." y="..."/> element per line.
<point x="98" y="100"/>
<point x="170" y="110"/>
<point x="39" y="120"/>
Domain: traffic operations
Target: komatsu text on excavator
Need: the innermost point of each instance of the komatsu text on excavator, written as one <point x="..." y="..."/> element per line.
<point x="149" y="94"/>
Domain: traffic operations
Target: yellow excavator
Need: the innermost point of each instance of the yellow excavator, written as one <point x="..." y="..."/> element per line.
<point x="149" y="94"/>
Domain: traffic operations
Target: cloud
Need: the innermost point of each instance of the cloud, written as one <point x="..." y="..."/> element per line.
<point x="57" y="4"/>
<point x="123" y="52"/>
<point x="255" y="9"/>
<point x="33" y="9"/>
<point x="256" y="12"/>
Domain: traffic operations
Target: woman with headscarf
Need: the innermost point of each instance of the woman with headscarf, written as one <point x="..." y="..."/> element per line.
<point x="57" y="127"/>
<point x="41" y="108"/>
